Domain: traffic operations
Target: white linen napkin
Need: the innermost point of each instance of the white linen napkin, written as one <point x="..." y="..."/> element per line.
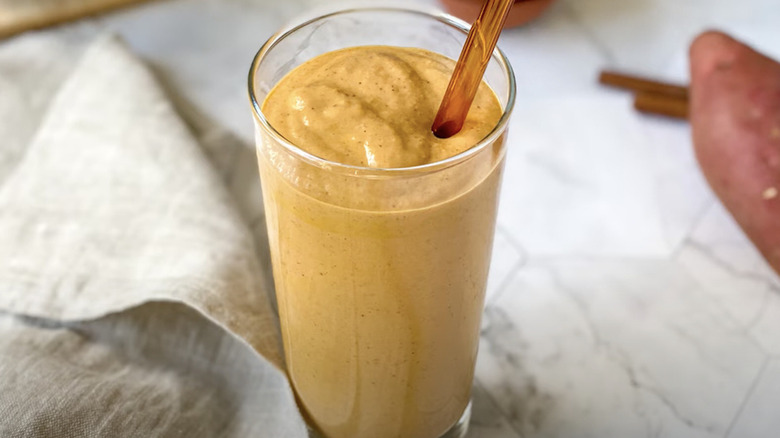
<point x="113" y="207"/>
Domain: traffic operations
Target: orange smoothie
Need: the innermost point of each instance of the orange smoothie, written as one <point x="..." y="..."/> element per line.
<point x="380" y="290"/>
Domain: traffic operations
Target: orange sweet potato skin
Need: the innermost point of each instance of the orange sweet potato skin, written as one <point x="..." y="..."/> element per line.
<point x="735" y="118"/>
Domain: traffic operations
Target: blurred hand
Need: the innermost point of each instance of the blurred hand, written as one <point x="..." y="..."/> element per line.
<point x="522" y="11"/>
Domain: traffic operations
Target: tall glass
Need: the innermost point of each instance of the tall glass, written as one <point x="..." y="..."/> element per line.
<point x="380" y="273"/>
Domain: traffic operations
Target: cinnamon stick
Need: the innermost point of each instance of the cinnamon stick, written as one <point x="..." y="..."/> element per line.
<point x="660" y="104"/>
<point x="640" y="84"/>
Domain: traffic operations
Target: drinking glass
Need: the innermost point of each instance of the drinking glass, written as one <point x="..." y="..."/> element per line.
<point x="380" y="273"/>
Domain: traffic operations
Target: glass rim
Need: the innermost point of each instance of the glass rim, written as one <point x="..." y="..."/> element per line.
<point x="437" y="15"/>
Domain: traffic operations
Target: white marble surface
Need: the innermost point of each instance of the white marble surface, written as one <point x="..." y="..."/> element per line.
<point x="623" y="300"/>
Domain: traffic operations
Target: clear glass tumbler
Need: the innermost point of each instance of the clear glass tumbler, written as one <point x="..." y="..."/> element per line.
<point x="380" y="273"/>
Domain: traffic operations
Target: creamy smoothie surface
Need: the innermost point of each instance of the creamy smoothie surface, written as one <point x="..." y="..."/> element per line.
<point x="380" y="282"/>
<point x="374" y="106"/>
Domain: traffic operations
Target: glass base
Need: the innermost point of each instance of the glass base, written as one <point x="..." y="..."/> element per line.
<point x="461" y="427"/>
<point x="458" y="430"/>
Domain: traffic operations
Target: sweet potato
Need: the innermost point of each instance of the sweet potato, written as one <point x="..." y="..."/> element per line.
<point x="735" y="117"/>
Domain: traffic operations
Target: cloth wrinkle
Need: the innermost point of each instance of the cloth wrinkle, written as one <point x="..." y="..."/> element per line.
<point x="133" y="294"/>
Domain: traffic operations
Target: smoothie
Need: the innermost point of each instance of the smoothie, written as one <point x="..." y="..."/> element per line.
<point x="380" y="281"/>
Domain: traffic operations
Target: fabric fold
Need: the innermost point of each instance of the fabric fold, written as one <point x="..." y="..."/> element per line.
<point x="159" y="370"/>
<point x="114" y="205"/>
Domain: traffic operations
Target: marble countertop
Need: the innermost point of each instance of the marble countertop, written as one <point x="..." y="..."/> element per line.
<point x="623" y="301"/>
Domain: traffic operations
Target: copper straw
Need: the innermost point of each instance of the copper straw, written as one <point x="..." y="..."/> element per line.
<point x="471" y="65"/>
